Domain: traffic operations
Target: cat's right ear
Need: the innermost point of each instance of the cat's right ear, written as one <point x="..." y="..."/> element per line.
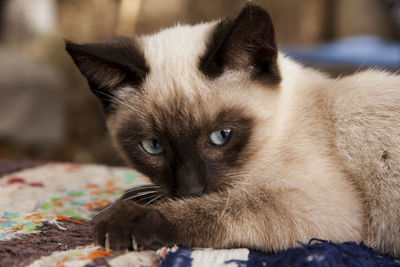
<point x="109" y="65"/>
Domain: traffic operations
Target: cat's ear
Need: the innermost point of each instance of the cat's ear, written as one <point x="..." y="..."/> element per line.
<point x="109" y="65"/>
<point x="245" y="42"/>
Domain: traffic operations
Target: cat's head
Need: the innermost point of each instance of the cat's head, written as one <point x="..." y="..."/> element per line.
<point x="185" y="105"/>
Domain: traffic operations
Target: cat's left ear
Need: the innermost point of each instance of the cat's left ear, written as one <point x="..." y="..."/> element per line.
<point x="109" y="65"/>
<point x="245" y="43"/>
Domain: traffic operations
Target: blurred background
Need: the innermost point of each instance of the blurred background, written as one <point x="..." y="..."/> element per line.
<point x="47" y="112"/>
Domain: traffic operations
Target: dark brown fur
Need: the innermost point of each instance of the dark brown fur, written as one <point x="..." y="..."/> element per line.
<point x="109" y="65"/>
<point x="190" y="165"/>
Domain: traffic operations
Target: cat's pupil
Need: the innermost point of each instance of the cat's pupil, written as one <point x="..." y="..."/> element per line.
<point x="220" y="137"/>
<point x="155" y="144"/>
<point x="223" y="134"/>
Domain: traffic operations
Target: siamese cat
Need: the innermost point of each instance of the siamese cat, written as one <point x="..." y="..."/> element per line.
<point x="245" y="146"/>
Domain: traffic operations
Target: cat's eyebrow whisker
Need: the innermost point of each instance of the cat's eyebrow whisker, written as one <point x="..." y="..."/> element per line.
<point x="122" y="103"/>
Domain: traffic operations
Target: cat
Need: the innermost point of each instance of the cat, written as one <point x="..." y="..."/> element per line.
<point x="245" y="146"/>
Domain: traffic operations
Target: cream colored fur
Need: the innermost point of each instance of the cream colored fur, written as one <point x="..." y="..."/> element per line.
<point x="327" y="151"/>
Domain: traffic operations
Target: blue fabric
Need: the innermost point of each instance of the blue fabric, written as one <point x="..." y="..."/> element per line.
<point x="318" y="253"/>
<point x="366" y="51"/>
<point x="180" y="258"/>
<point x="323" y="253"/>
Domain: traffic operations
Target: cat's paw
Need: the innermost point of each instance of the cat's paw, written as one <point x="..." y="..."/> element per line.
<point x="126" y="225"/>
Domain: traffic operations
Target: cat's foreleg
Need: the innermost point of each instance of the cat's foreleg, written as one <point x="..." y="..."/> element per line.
<point x="252" y="217"/>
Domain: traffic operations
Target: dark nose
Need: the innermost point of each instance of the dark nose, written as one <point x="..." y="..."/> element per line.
<point x="189" y="181"/>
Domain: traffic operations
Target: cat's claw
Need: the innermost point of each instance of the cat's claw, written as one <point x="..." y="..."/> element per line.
<point x="134" y="243"/>
<point x="107" y="243"/>
<point x="127" y="225"/>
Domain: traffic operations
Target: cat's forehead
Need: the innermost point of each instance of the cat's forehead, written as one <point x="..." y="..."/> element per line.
<point x="176" y="47"/>
<point x="176" y="91"/>
<point x="173" y="56"/>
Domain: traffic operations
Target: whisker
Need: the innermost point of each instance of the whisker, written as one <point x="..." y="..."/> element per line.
<point x="157" y="197"/>
<point x="101" y="211"/>
<point x="140" y="193"/>
<point x="142" y="188"/>
<point x="226" y="207"/>
<point x="136" y="196"/>
<point x="112" y="98"/>
<point x="159" y="201"/>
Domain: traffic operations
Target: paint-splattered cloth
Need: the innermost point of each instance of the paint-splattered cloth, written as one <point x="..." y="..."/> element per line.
<point x="44" y="221"/>
<point x="45" y="212"/>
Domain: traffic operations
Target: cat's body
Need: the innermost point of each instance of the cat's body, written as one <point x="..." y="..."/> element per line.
<point x="306" y="155"/>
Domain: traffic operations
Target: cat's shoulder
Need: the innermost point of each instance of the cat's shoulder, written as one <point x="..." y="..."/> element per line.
<point x="373" y="77"/>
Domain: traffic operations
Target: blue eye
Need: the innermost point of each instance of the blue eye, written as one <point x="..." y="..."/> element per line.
<point x="151" y="146"/>
<point x="220" y="137"/>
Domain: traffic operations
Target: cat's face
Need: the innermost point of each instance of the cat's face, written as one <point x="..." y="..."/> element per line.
<point x="183" y="106"/>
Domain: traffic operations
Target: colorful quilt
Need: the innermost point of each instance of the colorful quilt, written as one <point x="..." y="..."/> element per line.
<point x="45" y="212"/>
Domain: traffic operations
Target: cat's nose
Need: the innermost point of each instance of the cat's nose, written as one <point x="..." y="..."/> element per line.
<point x="189" y="180"/>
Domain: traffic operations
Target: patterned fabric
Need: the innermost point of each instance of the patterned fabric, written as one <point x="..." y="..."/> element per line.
<point x="57" y="192"/>
<point x="60" y="199"/>
<point x="44" y="221"/>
